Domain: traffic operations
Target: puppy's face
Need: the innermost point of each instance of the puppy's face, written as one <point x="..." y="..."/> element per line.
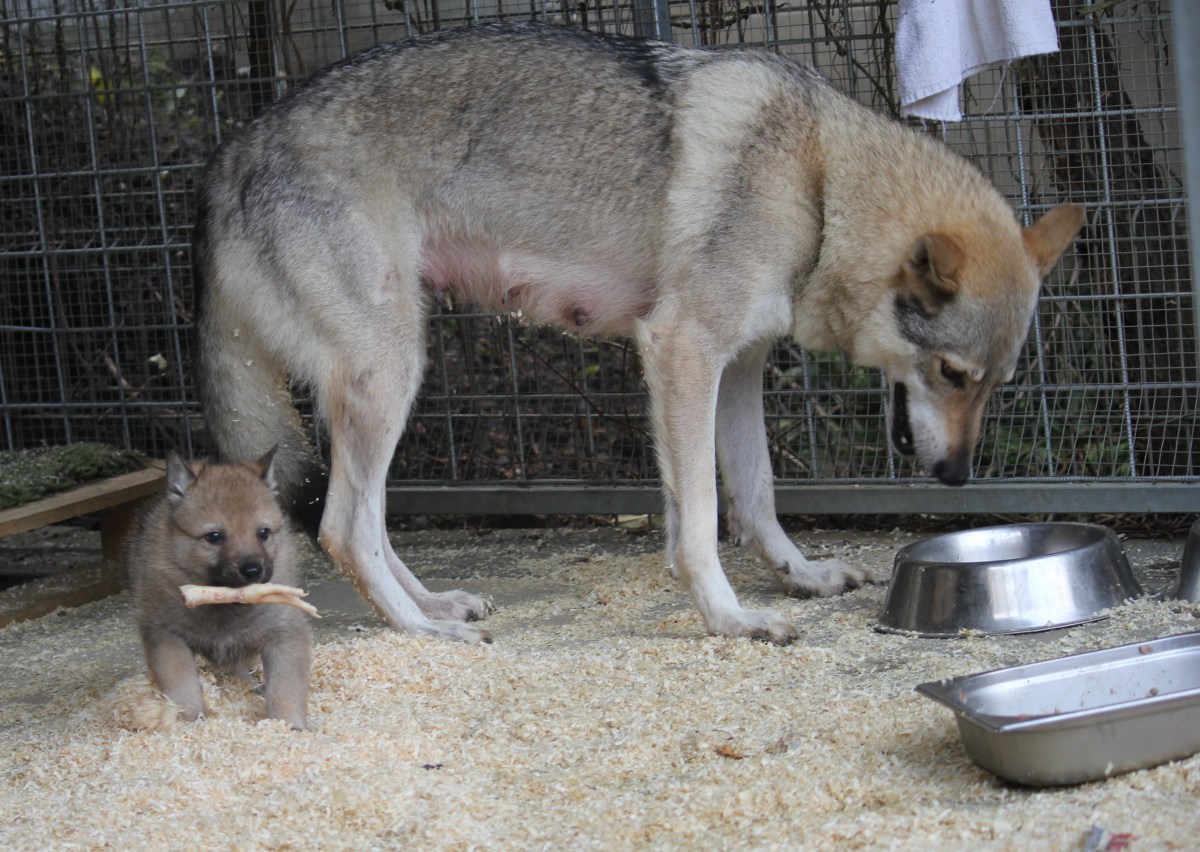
<point x="226" y="523"/>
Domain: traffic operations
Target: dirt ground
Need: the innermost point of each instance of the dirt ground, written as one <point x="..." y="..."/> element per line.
<point x="601" y="717"/>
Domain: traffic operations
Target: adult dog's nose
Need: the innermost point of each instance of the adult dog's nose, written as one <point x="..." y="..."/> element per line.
<point x="954" y="470"/>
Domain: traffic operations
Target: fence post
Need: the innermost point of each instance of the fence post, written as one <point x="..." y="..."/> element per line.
<point x="652" y="19"/>
<point x="1185" y="25"/>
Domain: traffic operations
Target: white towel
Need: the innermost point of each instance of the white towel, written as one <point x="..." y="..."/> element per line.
<point x="940" y="43"/>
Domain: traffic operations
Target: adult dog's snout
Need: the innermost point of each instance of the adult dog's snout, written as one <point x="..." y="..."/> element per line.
<point x="950" y="465"/>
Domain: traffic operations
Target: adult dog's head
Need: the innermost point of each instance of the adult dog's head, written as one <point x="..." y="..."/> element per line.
<point x="961" y="306"/>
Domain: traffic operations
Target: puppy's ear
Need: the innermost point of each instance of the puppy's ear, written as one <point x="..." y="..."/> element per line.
<point x="930" y="272"/>
<point x="1048" y="237"/>
<point x="266" y="465"/>
<point x="180" y="477"/>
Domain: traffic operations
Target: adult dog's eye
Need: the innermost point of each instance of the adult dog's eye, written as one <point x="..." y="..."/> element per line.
<point x="215" y="537"/>
<point x="264" y="533"/>
<point x="953" y="375"/>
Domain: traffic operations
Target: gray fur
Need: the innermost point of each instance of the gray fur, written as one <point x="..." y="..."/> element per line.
<point x="704" y="203"/>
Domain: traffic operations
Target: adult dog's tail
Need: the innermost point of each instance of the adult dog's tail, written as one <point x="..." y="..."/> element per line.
<point x="248" y="405"/>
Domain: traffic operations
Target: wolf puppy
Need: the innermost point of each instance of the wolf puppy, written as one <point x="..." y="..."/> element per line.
<point x="218" y="525"/>
<point x="704" y="203"/>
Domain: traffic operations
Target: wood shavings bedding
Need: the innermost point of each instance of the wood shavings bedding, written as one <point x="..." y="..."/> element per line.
<point x="600" y="718"/>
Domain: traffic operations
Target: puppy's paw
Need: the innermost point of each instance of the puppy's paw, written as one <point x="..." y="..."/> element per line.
<point x="762" y="625"/>
<point x="456" y="606"/>
<point x="821" y="579"/>
<point x="137" y="705"/>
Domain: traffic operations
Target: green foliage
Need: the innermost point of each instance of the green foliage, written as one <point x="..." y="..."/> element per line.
<point x="28" y="475"/>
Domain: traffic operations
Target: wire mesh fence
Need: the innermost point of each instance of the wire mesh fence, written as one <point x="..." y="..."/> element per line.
<point x="108" y="111"/>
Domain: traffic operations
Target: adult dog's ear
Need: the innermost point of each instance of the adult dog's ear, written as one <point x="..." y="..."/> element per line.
<point x="930" y="272"/>
<point x="1048" y="237"/>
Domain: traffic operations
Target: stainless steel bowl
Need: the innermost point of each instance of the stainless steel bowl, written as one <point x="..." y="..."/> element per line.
<point x="1187" y="587"/>
<point x="1019" y="578"/>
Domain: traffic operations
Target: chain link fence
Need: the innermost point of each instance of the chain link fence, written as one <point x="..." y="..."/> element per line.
<point x="108" y="111"/>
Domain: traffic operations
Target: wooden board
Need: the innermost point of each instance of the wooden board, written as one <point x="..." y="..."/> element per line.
<point x="117" y="499"/>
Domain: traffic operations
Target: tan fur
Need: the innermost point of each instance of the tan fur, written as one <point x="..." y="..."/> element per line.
<point x="218" y="525"/>
<point x="1048" y="238"/>
<point x="702" y="203"/>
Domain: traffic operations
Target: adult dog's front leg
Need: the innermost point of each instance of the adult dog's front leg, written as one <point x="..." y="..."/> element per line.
<point x="683" y="374"/>
<point x="750" y="485"/>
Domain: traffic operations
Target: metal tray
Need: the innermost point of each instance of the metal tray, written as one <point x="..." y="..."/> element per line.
<point x="1082" y="717"/>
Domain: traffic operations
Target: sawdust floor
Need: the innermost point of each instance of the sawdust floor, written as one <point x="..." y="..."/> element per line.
<point x="601" y="717"/>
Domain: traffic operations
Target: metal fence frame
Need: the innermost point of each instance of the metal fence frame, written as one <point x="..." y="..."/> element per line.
<point x="179" y="65"/>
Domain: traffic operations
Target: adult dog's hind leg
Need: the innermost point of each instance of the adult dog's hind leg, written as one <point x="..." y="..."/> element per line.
<point x="365" y="412"/>
<point x="683" y="374"/>
<point x="455" y="604"/>
<point x="750" y="485"/>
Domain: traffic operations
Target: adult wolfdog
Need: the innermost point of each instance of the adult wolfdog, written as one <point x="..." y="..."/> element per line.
<point x="702" y="203"/>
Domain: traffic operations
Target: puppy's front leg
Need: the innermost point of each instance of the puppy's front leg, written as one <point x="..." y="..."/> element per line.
<point x="683" y="372"/>
<point x="287" y="670"/>
<point x="173" y="667"/>
<point x="745" y="463"/>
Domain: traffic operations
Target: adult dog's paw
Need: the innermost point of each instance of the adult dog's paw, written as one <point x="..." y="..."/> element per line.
<point x="458" y="631"/>
<point x="456" y="606"/>
<point x="762" y="625"/>
<point x="821" y="579"/>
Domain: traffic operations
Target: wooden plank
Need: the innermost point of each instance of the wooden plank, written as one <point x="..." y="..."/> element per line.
<point x="90" y="497"/>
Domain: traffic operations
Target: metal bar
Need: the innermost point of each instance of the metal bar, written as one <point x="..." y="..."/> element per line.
<point x="8" y="425"/>
<point x="1185" y="27"/>
<point x="45" y="253"/>
<point x="588" y="415"/>
<point x="210" y="81"/>
<point x="652" y="19"/>
<point x="810" y="414"/>
<point x="160" y="194"/>
<point x="1039" y="342"/>
<point x="1111" y="237"/>
<point x="452" y="454"/>
<point x="339" y="11"/>
<point x="515" y="398"/>
<point x="662" y="19"/>
<point x="1017" y="498"/>
<point x="103" y="171"/>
